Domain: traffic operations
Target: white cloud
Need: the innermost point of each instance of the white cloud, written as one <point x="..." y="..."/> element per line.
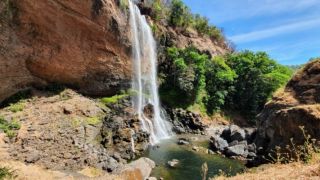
<point x="283" y="29"/>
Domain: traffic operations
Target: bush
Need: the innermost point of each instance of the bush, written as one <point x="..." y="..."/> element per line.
<point x="188" y="77"/>
<point x="219" y="83"/>
<point x="258" y="77"/>
<point x="241" y="82"/>
<point x="180" y="15"/>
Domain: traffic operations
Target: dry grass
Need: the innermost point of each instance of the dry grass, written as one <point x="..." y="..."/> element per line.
<point x="281" y="172"/>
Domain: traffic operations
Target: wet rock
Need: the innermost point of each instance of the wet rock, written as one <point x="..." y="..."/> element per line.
<point x="173" y="163"/>
<point x="183" y="141"/>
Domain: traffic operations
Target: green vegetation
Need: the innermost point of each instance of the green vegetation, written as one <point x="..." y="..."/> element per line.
<point x="258" y="77"/>
<point x="181" y="16"/>
<point x="187" y="84"/>
<point x="219" y="83"/>
<point x="9" y="127"/>
<point x="7" y="173"/>
<point x="113" y="99"/>
<point x="241" y="82"/>
<point x="19" y="106"/>
<point x="93" y="120"/>
<point x="123" y="4"/>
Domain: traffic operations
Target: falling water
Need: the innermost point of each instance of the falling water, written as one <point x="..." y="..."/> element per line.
<point x="144" y="81"/>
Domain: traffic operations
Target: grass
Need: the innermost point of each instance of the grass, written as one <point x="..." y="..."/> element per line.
<point x="9" y="128"/>
<point x="7" y="173"/>
<point x="19" y="106"/>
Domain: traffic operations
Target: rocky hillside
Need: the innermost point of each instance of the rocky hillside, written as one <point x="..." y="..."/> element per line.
<point x="85" y="45"/>
<point x="295" y="107"/>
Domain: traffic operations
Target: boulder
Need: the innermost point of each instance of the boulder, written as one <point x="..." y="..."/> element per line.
<point x="218" y="144"/>
<point x="142" y="167"/>
<point x="236" y="133"/>
<point x="237" y="150"/>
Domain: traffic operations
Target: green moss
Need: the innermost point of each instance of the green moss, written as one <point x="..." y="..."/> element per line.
<point x="9" y="128"/>
<point x="93" y="120"/>
<point x="113" y="99"/>
<point x="19" y="106"/>
<point x="75" y="122"/>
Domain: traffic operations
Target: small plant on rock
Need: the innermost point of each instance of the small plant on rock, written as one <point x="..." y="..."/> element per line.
<point x="7" y="173"/>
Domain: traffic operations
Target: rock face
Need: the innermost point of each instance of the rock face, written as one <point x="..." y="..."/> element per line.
<point x="298" y="105"/>
<point x="64" y="42"/>
<point x="121" y="127"/>
<point x="186" y="121"/>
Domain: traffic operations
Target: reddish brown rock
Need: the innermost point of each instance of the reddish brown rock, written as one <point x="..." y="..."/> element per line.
<point x="84" y="45"/>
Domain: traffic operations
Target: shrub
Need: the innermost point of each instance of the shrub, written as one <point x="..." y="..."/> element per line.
<point x="219" y="83"/>
<point x="180" y="15"/>
<point x="258" y="77"/>
<point x="187" y="77"/>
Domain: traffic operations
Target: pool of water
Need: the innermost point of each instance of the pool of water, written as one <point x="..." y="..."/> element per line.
<point x="189" y="167"/>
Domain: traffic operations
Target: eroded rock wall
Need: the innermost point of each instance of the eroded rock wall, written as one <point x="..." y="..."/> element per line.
<point x="83" y="44"/>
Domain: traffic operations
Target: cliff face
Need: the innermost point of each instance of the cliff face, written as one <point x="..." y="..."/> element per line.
<point x="83" y="44"/>
<point x="298" y="105"/>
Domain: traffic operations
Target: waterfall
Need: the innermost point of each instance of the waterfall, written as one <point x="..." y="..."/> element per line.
<point x="144" y="80"/>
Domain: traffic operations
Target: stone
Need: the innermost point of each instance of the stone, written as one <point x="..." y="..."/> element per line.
<point x="143" y="165"/>
<point x="251" y="155"/>
<point x="183" y="142"/>
<point x="173" y="163"/>
<point x="33" y="157"/>
<point x="195" y="148"/>
<point x="252" y="148"/>
<point x="237" y="133"/>
<point x="218" y="144"/>
<point x="237" y="150"/>
<point x="151" y="178"/>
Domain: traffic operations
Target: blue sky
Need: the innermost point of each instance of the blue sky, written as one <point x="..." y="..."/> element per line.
<point x="289" y="30"/>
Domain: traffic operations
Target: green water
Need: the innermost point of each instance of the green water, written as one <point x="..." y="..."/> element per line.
<point x="190" y="162"/>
